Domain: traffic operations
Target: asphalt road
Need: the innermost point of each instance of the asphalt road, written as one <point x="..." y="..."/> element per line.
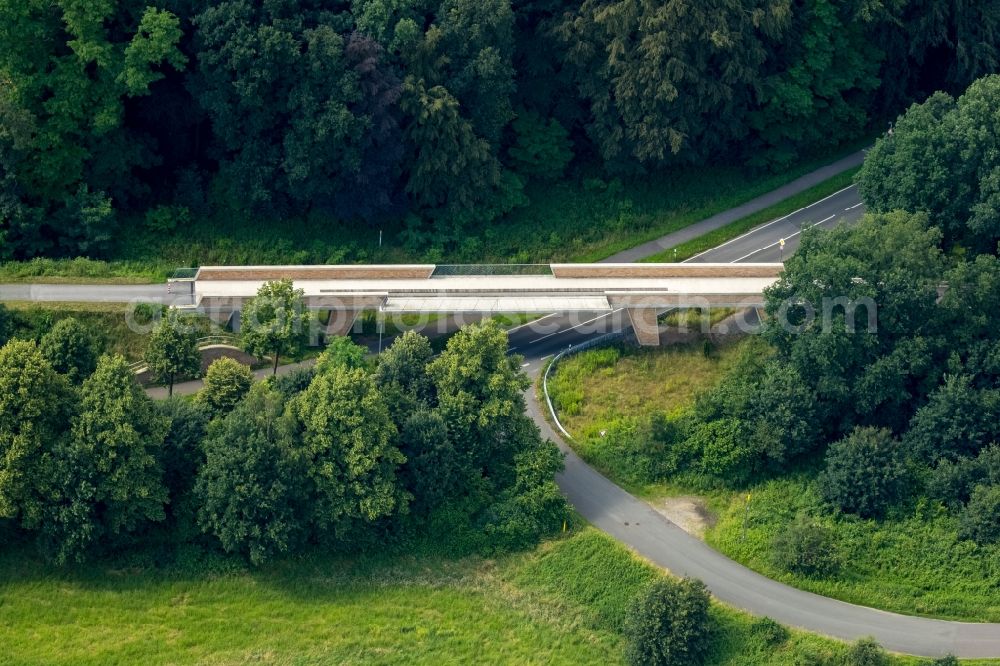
<point x="631" y="520"/>
<point x="89" y="293"/>
<point x="552" y="334"/>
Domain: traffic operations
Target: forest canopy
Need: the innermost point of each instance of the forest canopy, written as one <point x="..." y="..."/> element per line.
<point x="116" y="112"/>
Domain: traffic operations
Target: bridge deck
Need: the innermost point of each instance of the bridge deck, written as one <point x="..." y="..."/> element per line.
<point x="529" y="304"/>
<point x="518" y="284"/>
<point x="570" y="287"/>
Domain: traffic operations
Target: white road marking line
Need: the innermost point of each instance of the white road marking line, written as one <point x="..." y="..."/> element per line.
<point x="545" y="357"/>
<point x="827" y="197"/>
<point x="525" y="365"/>
<point x="564" y="330"/>
<point x="792" y="235"/>
<point x="855" y="206"/>
<point x="529" y="323"/>
<point x="764" y="226"/>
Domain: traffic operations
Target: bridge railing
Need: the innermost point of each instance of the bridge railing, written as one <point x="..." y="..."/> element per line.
<point x="183" y="274"/>
<point x="492" y="269"/>
<point x="223" y="339"/>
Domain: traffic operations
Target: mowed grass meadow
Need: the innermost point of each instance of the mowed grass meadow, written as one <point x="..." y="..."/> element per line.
<point x="910" y="562"/>
<point x="563" y="603"/>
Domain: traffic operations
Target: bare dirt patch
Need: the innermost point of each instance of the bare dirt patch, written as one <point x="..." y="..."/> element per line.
<point x="688" y="512"/>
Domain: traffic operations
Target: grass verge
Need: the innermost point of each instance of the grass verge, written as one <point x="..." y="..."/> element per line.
<point x="615" y="390"/>
<point x="745" y="224"/>
<point x="910" y="562"/>
<point x="563" y="603"/>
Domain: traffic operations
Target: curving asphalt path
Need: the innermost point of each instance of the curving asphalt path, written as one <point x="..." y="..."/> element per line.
<point x="635" y="523"/>
<point x="632" y="521"/>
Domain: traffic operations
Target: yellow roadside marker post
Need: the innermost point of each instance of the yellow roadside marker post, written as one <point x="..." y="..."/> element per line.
<point x="746" y="515"/>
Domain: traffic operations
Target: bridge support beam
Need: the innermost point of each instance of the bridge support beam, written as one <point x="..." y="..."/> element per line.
<point x="341" y="321"/>
<point x="647" y="331"/>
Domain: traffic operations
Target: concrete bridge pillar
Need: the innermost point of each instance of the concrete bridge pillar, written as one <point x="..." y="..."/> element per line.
<point x="647" y="331"/>
<point x="222" y="316"/>
<point x="341" y="321"/>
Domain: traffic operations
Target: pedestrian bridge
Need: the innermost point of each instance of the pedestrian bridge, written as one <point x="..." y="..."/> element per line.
<point x="642" y="289"/>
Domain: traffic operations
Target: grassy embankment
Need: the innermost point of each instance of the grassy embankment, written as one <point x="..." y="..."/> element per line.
<point x="584" y="219"/>
<point x="613" y="388"/>
<point x="117" y="328"/>
<point x="564" y="603"/>
<point x="911" y="562"/>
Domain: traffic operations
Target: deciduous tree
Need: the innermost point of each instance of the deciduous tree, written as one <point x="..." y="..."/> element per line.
<point x="349" y="440"/>
<point x="35" y="406"/>
<point x="227" y="381"/>
<point x="942" y="158"/>
<point x="480" y="391"/>
<point x="172" y="351"/>
<point x="69" y="68"/>
<point x="276" y="321"/>
<point x="252" y="488"/>
<point x="854" y="314"/>
<point x="109" y="479"/>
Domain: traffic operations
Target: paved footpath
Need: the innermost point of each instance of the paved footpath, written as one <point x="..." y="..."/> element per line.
<point x="636" y="524"/>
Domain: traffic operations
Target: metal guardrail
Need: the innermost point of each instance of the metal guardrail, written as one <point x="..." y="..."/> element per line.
<point x="569" y="351"/>
<point x="492" y="269"/>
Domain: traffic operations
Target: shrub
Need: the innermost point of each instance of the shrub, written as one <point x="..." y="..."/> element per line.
<point x="532" y="507"/>
<point x="769" y="632"/>
<point x="227" y="381"/>
<point x="947" y="660"/>
<point x="806" y="549"/>
<point x="864" y="473"/>
<point x="725" y="450"/>
<point x="629" y="448"/>
<point x="981" y="517"/>
<point x="952" y="482"/>
<point x="865" y="652"/>
<point x="71" y="349"/>
<point x="292" y="383"/>
<point x="958" y="420"/>
<point x="8" y="324"/>
<point x="669" y="625"/>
